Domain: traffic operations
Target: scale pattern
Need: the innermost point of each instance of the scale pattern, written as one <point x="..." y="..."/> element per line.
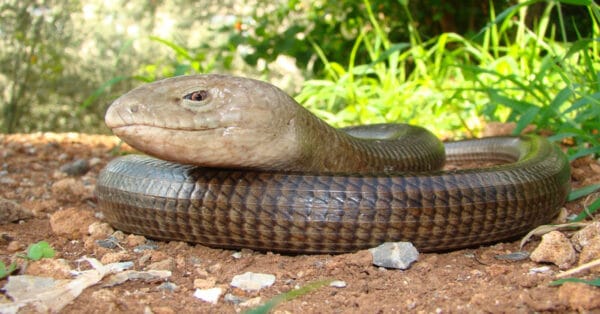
<point x="332" y="213"/>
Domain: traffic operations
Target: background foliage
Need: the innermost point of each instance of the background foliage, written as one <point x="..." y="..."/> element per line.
<point x="447" y="64"/>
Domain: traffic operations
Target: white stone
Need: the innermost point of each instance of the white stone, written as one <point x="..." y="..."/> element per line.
<point x="211" y="295"/>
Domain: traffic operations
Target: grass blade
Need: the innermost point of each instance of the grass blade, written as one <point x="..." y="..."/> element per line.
<point x="292" y="294"/>
<point x="581" y="192"/>
<point x="588" y="211"/>
<point x="593" y="282"/>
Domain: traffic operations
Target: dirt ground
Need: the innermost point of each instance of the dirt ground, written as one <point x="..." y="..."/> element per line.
<point x="471" y="280"/>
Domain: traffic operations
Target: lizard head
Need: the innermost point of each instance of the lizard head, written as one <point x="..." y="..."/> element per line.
<point x="208" y="120"/>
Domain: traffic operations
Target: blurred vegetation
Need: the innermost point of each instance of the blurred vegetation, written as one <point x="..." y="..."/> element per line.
<point x="449" y="65"/>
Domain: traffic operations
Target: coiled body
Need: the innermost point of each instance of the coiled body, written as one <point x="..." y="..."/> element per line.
<point x="292" y="212"/>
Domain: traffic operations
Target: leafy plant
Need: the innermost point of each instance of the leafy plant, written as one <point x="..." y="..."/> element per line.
<point x="35" y="252"/>
<point x="40" y="250"/>
<point x="507" y="72"/>
<point x="538" y="80"/>
<point x="5" y="271"/>
<point x="32" y="57"/>
<point x="409" y="81"/>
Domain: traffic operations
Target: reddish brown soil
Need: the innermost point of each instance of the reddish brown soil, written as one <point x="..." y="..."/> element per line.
<point x="470" y="280"/>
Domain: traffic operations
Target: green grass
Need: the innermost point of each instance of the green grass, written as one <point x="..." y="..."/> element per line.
<point x="452" y="84"/>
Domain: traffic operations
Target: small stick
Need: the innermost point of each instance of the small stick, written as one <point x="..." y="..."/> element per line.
<point x="579" y="268"/>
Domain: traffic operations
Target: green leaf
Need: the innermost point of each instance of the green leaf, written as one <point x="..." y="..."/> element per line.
<point x="583" y="152"/>
<point x="576" y="2"/>
<point x="593" y="282"/>
<point x="586" y="100"/>
<point x="526" y="119"/>
<point x="179" y="50"/>
<point x="6" y="271"/>
<point x="388" y="52"/>
<point x="506" y="14"/>
<point x="40" y="250"/>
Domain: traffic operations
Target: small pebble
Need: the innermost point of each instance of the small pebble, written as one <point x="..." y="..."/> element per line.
<point x="214" y="268"/>
<point x="252" y="281"/>
<point x="167" y="286"/>
<point x="14" y="246"/>
<point x="145" y="247"/>
<point x="94" y="161"/>
<point x="539" y="270"/>
<point x="234" y="299"/>
<point x="119" y="235"/>
<point x="100" y="230"/>
<point x="211" y="295"/>
<point x="76" y="168"/>
<point x="394" y="255"/>
<point x="338" y="284"/>
<point x="109" y="243"/>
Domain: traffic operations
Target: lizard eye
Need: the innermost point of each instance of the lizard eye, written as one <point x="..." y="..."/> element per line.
<point x="199" y="95"/>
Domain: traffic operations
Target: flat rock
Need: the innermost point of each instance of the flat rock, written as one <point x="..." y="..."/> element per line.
<point x="252" y="281"/>
<point x="211" y="295"/>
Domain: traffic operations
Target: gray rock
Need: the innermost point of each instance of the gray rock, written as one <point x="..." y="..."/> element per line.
<point x="395" y="255"/>
<point x="76" y="168"/>
<point x="167" y="286"/>
<point x="109" y="243"/>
